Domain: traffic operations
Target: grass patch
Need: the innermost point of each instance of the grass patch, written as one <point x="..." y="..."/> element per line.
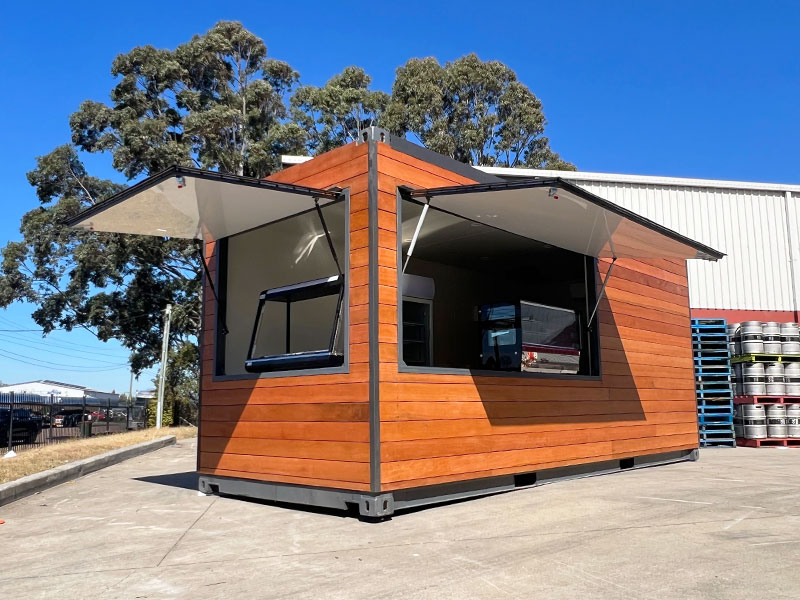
<point x="37" y="460"/>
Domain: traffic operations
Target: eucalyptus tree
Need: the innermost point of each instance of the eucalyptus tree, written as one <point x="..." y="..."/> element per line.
<point x="474" y="111"/>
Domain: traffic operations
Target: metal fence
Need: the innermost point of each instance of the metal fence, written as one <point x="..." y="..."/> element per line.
<point x="30" y="420"/>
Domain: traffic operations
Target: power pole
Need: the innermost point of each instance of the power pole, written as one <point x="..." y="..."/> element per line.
<point x="162" y="374"/>
<point x="130" y="391"/>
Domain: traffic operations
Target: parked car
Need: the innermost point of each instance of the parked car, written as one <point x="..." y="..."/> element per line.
<point x="71" y="418"/>
<point x="26" y="426"/>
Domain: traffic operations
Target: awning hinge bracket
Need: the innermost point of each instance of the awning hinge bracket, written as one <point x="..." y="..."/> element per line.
<point x="602" y="291"/>
<point x="416" y="233"/>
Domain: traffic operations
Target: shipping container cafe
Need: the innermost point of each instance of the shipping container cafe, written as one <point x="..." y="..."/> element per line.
<point x="385" y="327"/>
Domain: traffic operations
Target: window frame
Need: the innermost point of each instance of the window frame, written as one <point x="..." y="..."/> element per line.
<point x="220" y="308"/>
<point x="317" y="288"/>
<point x="593" y="342"/>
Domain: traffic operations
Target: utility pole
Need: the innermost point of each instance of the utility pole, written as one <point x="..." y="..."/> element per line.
<point x="162" y="374"/>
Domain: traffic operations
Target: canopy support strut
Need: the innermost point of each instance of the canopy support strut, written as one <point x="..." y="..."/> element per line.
<point x="602" y="291"/>
<point x="416" y="234"/>
<point x="328" y="236"/>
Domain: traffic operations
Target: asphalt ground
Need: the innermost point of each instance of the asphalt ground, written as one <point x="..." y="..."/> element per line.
<point x="727" y="526"/>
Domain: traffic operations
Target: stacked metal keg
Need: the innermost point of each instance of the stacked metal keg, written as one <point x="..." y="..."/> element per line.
<point x="754" y="376"/>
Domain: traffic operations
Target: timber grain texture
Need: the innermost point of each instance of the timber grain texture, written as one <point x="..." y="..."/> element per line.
<point x="444" y="428"/>
<point x="305" y="429"/>
<point x="438" y="428"/>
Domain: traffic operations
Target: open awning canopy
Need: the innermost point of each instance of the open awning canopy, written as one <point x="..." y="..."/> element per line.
<point x="182" y="202"/>
<point x="564" y="215"/>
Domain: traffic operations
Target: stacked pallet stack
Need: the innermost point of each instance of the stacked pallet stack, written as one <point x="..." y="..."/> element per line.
<point x="712" y="368"/>
<point x="766" y="373"/>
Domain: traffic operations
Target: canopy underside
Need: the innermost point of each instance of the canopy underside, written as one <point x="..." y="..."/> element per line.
<point x="561" y="214"/>
<point x="190" y="203"/>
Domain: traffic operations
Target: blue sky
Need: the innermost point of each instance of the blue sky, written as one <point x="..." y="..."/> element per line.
<point x="694" y="89"/>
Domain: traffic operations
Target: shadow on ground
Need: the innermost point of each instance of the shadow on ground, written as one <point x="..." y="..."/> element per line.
<point x="186" y="480"/>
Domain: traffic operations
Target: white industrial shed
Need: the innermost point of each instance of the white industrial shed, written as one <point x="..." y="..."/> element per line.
<point x="757" y="226"/>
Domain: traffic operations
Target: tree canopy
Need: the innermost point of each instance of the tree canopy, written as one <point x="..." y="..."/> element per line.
<point x="220" y="102"/>
<point x="473" y="111"/>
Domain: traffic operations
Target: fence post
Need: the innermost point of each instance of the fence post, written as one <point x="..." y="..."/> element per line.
<point x="108" y="416"/>
<point x="11" y="422"/>
<point x="83" y="416"/>
<point x="50" y="426"/>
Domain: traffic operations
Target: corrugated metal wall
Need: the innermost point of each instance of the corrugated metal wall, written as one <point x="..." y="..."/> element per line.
<point x="751" y="226"/>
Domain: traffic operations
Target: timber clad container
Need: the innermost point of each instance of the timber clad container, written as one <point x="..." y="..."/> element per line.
<point x="487" y="335"/>
<point x="310" y="430"/>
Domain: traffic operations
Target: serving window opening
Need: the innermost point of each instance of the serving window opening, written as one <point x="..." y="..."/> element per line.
<point x="479" y="298"/>
<point x="283" y="289"/>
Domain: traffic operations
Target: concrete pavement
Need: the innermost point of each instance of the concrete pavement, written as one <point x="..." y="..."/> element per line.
<point x="727" y="526"/>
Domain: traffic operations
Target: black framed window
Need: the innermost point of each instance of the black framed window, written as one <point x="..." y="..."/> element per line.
<point x="283" y="293"/>
<point x="497" y="302"/>
<point x="297" y="327"/>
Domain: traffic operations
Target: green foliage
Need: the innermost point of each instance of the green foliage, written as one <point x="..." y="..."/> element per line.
<point x="181" y="389"/>
<point x="220" y="102"/>
<point x="332" y="115"/>
<point x="473" y="111"/>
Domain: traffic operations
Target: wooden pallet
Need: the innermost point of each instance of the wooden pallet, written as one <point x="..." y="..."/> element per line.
<point x="766" y="399"/>
<point x="769" y="442"/>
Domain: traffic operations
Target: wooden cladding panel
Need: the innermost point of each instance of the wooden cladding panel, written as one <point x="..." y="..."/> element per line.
<point x="305" y="429"/>
<point x="438" y="428"/>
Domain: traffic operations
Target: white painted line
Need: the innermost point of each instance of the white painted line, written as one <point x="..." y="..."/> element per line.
<point x="735" y="522"/>
<point x="775" y="543"/>
<point x="672" y="500"/>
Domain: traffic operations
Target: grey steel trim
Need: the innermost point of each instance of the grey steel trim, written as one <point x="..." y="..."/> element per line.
<point x="221" y="283"/>
<point x="440" y="160"/>
<point x="399" y="229"/>
<point x="481" y="373"/>
<point x="345" y="368"/>
<point x="703" y="250"/>
<point x="595" y="338"/>
<point x="429" y="156"/>
<point x="369" y="505"/>
<point x="175" y="171"/>
<point x="376" y="506"/>
<point x="374" y="347"/>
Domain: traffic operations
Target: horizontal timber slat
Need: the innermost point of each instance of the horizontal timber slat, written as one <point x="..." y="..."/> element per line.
<point x="323" y="450"/>
<point x="301" y="467"/>
<point x="419" y="411"/>
<point x="275" y="478"/>
<point x="395" y="431"/>
<point x="324" y="412"/>
<point x="523" y="459"/>
<point x="489" y="472"/>
<point x="459" y="446"/>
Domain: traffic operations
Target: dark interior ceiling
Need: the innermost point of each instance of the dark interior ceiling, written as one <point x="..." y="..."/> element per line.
<point x="451" y="240"/>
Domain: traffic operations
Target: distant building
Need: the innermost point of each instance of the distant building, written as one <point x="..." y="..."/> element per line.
<point x="144" y="397"/>
<point x="57" y="389"/>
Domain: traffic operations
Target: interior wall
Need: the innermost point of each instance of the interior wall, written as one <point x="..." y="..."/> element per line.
<point x="291" y="251"/>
